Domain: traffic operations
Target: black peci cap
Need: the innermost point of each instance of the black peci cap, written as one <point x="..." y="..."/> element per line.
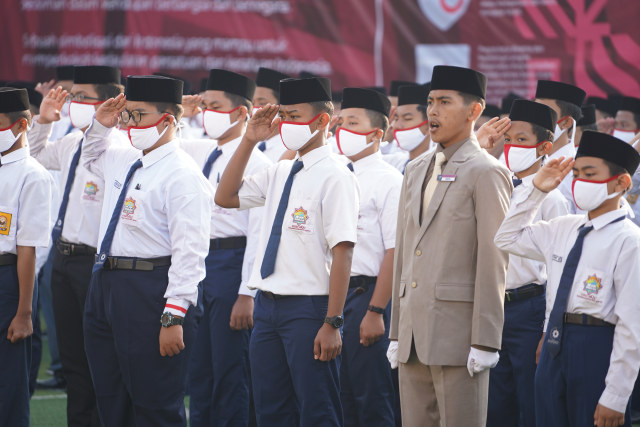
<point x="13" y="100"/>
<point x="395" y="85"/>
<point x="609" y="148"/>
<point x="523" y="110"/>
<point x="588" y="115"/>
<point x="629" y="103"/>
<point x="507" y="102"/>
<point x="64" y="72"/>
<point x="230" y="82"/>
<point x="414" y="94"/>
<point x="96" y="74"/>
<point x="306" y="75"/>
<point x="270" y="78"/>
<point x="465" y="80"/>
<point x="368" y="99"/>
<point x="186" y="86"/>
<point x="381" y="89"/>
<point x="602" y="104"/>
<point x="154" y="89"/>
<point x="35" y="97"/>
<point x="548" y="89"/>
<point x="303" y="91"/>
<point x="491" y="111"/>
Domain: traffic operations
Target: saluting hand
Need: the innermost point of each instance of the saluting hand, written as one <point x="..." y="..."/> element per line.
<point x="263" y="123"/>
<point x="108" y="114"/>
<point x="552" y="174"/>
<point x="491" y="132"/>
<point x="51" y="105"/>
<point x="328" y="343"/>
<point x="191" y="105"/>
<point x="45" y="87"/>
<point x="171" y="342"/>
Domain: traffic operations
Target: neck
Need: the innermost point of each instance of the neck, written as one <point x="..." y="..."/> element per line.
<point x="465" y="132"/>
<point x="20" y="143"/>
<point x="235" y="132"/>
<point x="608" y="206"/>
<point x="312" y="145"/>
<point x="422" y="148"/>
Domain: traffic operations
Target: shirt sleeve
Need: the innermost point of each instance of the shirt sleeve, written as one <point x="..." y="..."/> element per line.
<point x="253" y="237"/>
<point x="253" y="191"/>
<point x="189" y="220"/>
<point x="625" y="355"/>
<point x="388" y="213"/>
<point x="95" y="144"/>
<point x="47" y="153"/>
<point x="340" y="208"/>
<point x="34" y="219"/>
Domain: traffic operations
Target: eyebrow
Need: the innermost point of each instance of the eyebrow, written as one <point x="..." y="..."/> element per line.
<point x="584" y="167"/>
<point x="288" y="111"/>
<point x="439" y="98"/>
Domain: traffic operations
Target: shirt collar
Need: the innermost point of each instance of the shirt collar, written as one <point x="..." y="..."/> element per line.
<point x="314" y="156"/>
<point x="159" y="153"/>
<point x="451" y="150"/>
<point x="366" y="162"/>
<point x="605" y="219"/>
<point x="14" y="156"/>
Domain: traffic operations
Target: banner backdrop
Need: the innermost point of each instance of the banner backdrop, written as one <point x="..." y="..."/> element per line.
<point x="592" y="43"/>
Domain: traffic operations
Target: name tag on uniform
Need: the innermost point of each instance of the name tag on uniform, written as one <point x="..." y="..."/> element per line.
<point x="117" y="184"/>
<point x="556" y="258"/>
<point x="446" y="178"/>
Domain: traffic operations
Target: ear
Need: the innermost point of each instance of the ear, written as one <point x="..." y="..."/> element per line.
<point x="623" y="183"/>
<point x="169" y="119"/>
<point x="324" y="120"/>
<point x="23" y="125"/>
<point x="545" y="148"/>
<point x="242" y="113"/>
<point x="377" y="135"/>
<point x="566" y="122"/>
<point x="476" y="111"/>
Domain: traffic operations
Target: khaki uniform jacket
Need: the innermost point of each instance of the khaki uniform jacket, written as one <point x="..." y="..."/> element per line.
<point x="449" y="276"/>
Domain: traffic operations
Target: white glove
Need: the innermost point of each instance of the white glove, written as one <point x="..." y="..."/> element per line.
<point x="392" y="354"/>
<point x="479" y="360"/>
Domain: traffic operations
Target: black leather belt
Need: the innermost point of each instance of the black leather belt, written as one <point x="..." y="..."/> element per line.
<point x="8" y="259"/>
<point x="361" y="281"/>
<point x="273" y="296"/>
<point x="585" y="319"/>
<point x="523" y="293"/>
<point x="228" y="243"/>
<point x="71" y="249"/>
<point x="138" y="264"/>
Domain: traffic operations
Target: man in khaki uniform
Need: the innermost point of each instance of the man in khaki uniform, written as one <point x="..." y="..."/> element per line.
<point x="449" y="277"/>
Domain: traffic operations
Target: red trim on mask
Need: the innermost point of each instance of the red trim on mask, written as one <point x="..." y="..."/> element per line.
<point x="508" y="147"/>
<point x="573" y="184"/>
<point x="144" y="127"/>
<point x="426" y="122"/>
<point x="350" y="131"/>
<point x="295" y="123"/>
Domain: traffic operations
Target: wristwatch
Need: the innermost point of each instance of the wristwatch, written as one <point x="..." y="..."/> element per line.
<point x="167" y="319"/>
<point x="335" y="321"/>
<point x="375" y="309"/>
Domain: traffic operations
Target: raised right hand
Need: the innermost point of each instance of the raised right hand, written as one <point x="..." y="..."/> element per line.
<point x="109" y="112"/>
<point x="491" y="132"/>
<point x="262" y="124"/>
<point x="551" y="174"/>
<point x="51" y="105"/>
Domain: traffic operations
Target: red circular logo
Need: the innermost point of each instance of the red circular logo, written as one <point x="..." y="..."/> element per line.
<point x="451" y="9"/>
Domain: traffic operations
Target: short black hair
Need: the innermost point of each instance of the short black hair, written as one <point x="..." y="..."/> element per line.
<point x="616" y="170"/>
<point x="237" y="101"/>
<point x="422" y="109"/>
<point x="468" y="99"/>
<point x="108" y="90"/>
<point x="569" y="109"/>
<point x="377" y="119"/>
<point x="322" y="107"/>
<point x="542" y="134"/>
<point x="167" y="107"/>
<point x="14" y="116"/>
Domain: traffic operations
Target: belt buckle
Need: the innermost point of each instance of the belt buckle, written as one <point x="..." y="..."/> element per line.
<point x="112" y="263"/>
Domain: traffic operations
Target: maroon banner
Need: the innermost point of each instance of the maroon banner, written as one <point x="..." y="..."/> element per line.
<point x="592" y="43"/>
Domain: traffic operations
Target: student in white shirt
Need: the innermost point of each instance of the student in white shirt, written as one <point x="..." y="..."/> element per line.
<point x="303" y="261"/>
<point x="365" y="374"/>
<point x="268" y="92"/>
<point x="219" y="383"/>
<point x="25" y="203"/>
<point x="591" y="352"/>
<point x="511" y="383"/>
<point x="144" y="301"/>
<point x="411" y="126"/>
<point x="75" y="232"/>
<point x="565" y="99"/>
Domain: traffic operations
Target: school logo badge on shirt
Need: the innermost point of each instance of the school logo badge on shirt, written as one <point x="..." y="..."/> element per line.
<point x="90" y="191"/>
<point x="301" y="220"/>
<point x="590" y="288"/>
<point x="129" y="209"/>
<point x="5" y="223"/>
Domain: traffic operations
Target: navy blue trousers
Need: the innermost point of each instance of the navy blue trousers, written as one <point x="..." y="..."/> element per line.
<point x="365" y="374"/>
<point x="15" y="359"/>
<point x="568" y="387"/>
<point x="290" y="387"/>
<point x="134" y="385"/>
<point x="511" y="382"/>
<point x="219" y="366"/>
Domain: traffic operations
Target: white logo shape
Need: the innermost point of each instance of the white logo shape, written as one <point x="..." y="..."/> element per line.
<point x="443" y="13"/>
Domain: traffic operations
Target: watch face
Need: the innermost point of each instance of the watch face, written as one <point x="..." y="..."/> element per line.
<point x="165" y="319"/>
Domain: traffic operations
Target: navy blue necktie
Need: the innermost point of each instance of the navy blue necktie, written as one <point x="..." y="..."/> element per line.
<point x="516" y="182"/>
<point x="115" y="216"/>
<point x="350" y="166"/>
<point x="206" y="170"/>
<point x="262" y="146"/>
<point x="57" y="228"/>
<point x="271" y="252"/>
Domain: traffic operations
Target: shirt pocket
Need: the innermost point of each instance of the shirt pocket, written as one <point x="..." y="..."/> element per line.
<point x="592" y="288"/>
<point x="8" y="221"/>
<point x="301" y="217"/>
<point x="92" y="192"/>
<point x="455" y="292"/>
<point x="133" y="208"/>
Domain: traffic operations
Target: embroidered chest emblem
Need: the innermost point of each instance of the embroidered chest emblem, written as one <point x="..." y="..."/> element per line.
<point x="592" y="285"/>
<point x="300" y="216"/>
<point x="5" y="223"/>
<point x="90" y="188"/>
<point x="129" y="206"/>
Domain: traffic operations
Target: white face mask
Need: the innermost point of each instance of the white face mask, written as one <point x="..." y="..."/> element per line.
<point x="217" y="123"/>
<point x="295" y="135"/>
<point x="625" y="135"/>
<point x="7" y="138"/>
<point x="64" y="111"/>
<point x="144" y="138"/>
<point x="81" y="114"/>
<point x="409" y="139"/>
<point x="351" y="143"/>
<point x="520" y="157"/>
<point x="558" y="132"/>
<point x="588" y="194"/>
